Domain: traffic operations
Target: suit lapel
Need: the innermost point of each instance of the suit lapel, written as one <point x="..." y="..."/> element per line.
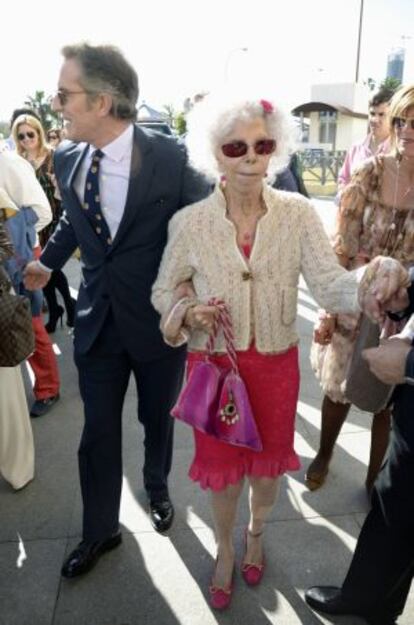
<point x="140" y="179"/>
<point x="80" y="156"/>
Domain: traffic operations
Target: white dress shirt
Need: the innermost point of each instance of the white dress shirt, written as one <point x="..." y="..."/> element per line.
<point x="114" y="170"/>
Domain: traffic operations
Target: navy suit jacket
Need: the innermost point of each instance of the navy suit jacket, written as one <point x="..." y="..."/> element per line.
<point x="120" y="278"/>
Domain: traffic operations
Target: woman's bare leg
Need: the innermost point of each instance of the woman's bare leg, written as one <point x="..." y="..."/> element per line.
<point x="224" y="505"/>
<point x="262" y="497"/>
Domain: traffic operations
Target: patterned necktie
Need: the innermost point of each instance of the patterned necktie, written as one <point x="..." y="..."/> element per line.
<point x="92" y="200"/>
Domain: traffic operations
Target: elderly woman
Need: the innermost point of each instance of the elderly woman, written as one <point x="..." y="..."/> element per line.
<point x="247" y="244"/>
<point x="375" y="217"/>
<point x="16" y="438"/>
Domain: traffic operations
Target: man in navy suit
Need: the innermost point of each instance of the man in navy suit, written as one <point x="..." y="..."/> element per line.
<point x="119" y="188"/>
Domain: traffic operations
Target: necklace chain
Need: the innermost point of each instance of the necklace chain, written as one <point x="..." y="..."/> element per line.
<point x="393" y="226"/>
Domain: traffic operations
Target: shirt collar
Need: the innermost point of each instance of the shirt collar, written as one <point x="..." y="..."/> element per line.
<point x="119" y="147"/>
<point x="382" y="147"/>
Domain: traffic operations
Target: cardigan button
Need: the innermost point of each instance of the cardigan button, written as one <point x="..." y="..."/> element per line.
<point x="246" y="275"/>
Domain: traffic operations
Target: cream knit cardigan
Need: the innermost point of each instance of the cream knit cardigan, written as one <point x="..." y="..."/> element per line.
<point x="261" y="292"/>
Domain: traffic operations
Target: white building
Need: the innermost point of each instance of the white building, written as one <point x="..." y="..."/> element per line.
<point x="337" y="113"/>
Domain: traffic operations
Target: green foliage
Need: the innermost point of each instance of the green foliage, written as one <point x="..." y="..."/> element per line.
<point x="169" y="110"/>
<point x="180" y="124"/>
<point x="41" y="104"/>
<point x="4" y="129"/>
<point x="390" y="83"/>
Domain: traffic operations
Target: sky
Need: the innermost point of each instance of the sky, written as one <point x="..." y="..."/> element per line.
<point x="181" y="47"/>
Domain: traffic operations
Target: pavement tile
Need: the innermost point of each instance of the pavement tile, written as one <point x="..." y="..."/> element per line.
<point x="343" y="492"/>
<point x="28" y="593"/>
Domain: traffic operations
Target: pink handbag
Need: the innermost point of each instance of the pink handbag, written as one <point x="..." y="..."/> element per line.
<point x="214" y="400"/>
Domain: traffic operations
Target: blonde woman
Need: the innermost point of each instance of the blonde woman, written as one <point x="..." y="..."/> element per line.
<point x="375" y="217"/>
<point x="31" y="143"/>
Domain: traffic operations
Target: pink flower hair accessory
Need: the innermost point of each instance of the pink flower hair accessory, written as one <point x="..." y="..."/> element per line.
<point x="267" y="106"/>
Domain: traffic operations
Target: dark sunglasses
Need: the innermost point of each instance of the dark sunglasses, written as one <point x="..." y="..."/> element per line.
<point x="234" y="149"/>
<point x="63" y="95"/>
<point x="52" y="137"/>
<point x="30" y="134"/>
<point x="403" y="122"/>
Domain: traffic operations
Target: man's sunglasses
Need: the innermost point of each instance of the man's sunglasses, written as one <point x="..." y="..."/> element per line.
<point x="51" y="137"/>
<point x="30" y="134"/>
<point x="403" y="122"/>
<point x="63" y="95"/>
<point x="234" y="149"/>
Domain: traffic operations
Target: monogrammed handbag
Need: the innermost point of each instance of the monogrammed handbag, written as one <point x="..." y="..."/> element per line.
<point x="215" y="400"/>
<point x="16" y="333"/>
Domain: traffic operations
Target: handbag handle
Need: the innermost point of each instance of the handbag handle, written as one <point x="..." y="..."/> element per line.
<point x="225" y="323"/>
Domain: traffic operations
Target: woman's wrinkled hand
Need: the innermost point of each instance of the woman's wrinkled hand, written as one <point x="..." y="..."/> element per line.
<point x="202" y="317"/>
<point x="383" y="280"/>
<point x="323" y="331"/>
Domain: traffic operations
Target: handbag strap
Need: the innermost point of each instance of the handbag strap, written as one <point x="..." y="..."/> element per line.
<point x="224" y="322"/>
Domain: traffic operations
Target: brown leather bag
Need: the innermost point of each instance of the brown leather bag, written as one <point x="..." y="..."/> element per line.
<point x="16" y="332"/>
<point x="363" y="389"/>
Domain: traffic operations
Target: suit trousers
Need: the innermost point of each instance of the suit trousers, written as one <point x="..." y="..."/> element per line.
<point x="382" y="567"/>
<point x="104" y="373"/>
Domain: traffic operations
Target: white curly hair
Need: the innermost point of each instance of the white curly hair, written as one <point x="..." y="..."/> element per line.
<point x="210" y="121"/>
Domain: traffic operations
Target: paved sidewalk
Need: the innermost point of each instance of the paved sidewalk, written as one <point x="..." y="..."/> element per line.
<point x="163" y="580"/>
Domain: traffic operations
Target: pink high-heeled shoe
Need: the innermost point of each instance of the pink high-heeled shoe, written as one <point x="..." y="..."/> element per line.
<point x="252" y="573"/>
<point x="220" y="596"/>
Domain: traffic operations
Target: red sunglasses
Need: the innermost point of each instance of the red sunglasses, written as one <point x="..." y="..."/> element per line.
<point x="234" y="149"/>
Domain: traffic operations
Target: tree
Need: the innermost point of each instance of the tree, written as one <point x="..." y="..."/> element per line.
<point x="390" y="83"/>
<point x="169" y="109"/>
<point x="180" y="124"/>
<point x="4" y="129"/>
<point x="41" y="104"/>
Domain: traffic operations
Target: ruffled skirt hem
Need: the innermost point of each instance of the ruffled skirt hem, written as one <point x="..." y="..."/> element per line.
<point x="257" y="467"/>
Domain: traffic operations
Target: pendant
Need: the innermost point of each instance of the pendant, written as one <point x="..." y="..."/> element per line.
<point x="228" y="414"/>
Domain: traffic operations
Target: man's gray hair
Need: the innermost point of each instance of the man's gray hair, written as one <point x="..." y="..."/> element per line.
<point x="104" y="69"/>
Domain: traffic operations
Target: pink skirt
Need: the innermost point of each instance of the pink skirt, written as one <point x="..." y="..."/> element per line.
<point x="272" y="381"/>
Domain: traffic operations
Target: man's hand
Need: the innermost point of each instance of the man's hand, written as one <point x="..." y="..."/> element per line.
<point x="383" y="281"/>
<point x="388" y="360"/>
<point x="35" y="277"/>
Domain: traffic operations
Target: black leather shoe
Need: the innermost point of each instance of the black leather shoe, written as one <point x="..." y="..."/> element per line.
<point x="86" y="555"/>
<point x="42" y="406"/>
<point x="328" y="599"/>
<point x="161" y="514"/>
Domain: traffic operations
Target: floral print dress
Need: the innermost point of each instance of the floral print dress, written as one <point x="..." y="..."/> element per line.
<point x="366" y="227"/>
